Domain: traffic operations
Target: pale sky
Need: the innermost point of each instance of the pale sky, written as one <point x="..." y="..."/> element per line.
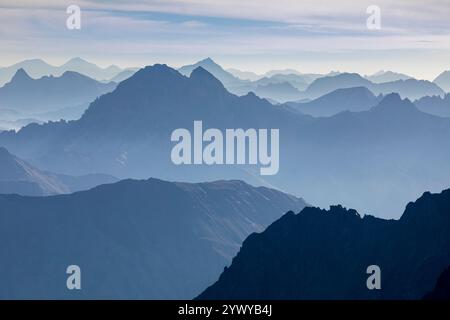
<point x="256" y="35"/>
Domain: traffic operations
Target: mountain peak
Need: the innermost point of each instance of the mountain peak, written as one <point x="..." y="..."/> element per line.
<point x="207" y="61"/>
<point x="76" y="60"/>
<point x="204" y="77"/>
<point x="20" y="75"/>
<point x="393" y="101"/>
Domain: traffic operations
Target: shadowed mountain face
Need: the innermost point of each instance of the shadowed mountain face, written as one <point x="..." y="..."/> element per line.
<point x="133" y="239"/>
<point x="374" y="161"/>
<point x="351" y="99"/>
<point x="320" y="254"/>
<point x="19" y="177"/>
<point x="37" y="96"/>
<point x="442" y="289"/>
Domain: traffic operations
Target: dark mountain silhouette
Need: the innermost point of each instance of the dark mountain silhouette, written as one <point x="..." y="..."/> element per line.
<point x="443" y="80"/>
<point x="134" y="239"/>
<point x="350" y="99"/>
<point x="320" y="254"/>
<point x="387" y="76"/>
<point x="435" y="105"/>
<point x="442" y="289"/>
<point x="19" y="177"/>
<point x="28" y="95"/>
<point x="409" y="88"/>
<point x="38" y="68"/>
<point x="373" y="160"/>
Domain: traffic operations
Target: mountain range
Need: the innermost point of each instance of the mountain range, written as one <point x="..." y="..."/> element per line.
<point x="350" y="99"/>
<point x="436" y="105"/>
<point x="409" y="88"/>
<point x="325" y="254"/>
<point x="37" y="98"/>
<point x="387" y="76"/>
<point x="289" y="85"/>
<point x="38" y="68"/>
<point x="147" y="239"/>
<point x="19" y="177"/>
<point x="372" y="160"/>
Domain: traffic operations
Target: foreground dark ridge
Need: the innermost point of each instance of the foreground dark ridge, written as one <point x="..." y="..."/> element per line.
<point x="323" y="254"/>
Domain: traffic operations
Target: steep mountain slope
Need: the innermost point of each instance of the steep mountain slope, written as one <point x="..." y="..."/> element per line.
<point x="350" y="99"/>
<point x="134" y="239"/>
<point x="29" y="96"/>
<point x="19" y="177"/>
<point x="443" y="80"/>
<point x="442" y="289"/>
<point x="319" y="254"/>
<point x="373" y="160"/>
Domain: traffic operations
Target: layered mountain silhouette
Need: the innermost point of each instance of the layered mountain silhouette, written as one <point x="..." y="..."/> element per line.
<point x="37" y="96"/>
<point x="350" y="99"/>
<point x="436" y="105"/>
<point x="19" y="177"/>
<point x="132" y="240"/>
<point x="443" y="80"/>
<point x="277" y="91"/>
<point x="228" y="79"/>
<point x="324" y="254"/>
<point x="38" y="68"/>
<point x="279" y="85"/>
<point x="387" y="76"/>
<point x="409" y="88"/>
<point x="373" y="160"/>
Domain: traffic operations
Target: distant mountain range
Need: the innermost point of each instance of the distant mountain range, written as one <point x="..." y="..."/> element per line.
<point x="350" y="99"/>
<point x="436" y="105"/>
<point x="19" y="177"/>
<point x="34" y="98"/>
<point x="38" y="68"/>
<point x="387" y="76"/>
<point x="320" y="254"/>
<point x="373" y="160"/>
<point x="290" y="85"/>
<point x="132" y="240"/>
<point x="410" y="88"/>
